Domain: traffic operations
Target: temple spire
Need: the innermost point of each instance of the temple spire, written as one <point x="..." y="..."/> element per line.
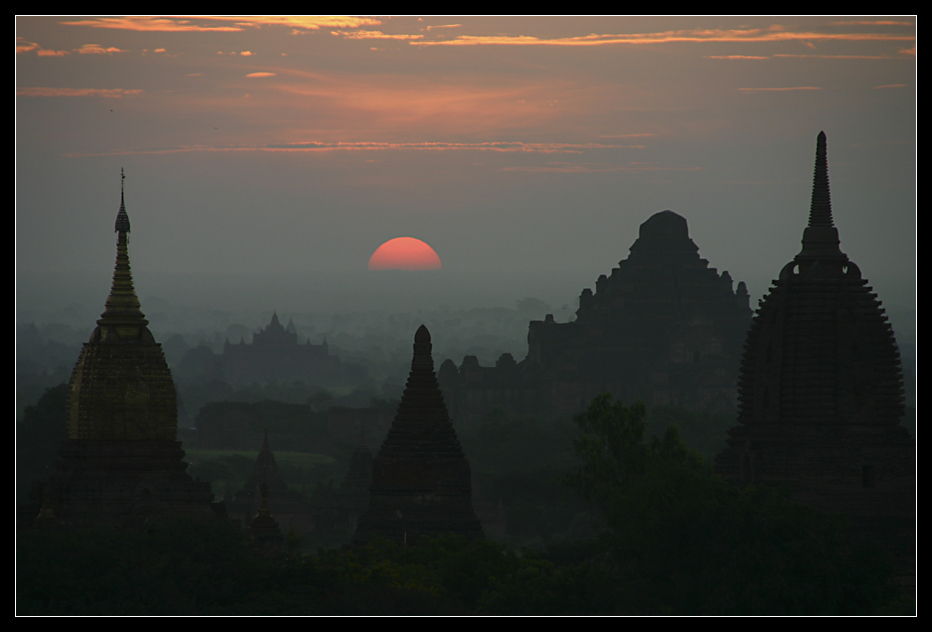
<point x="122" y="220"/>
<point x="420" y="478"/>
<point x="820" y="238"/>
<point x="122" y="306"/>
<point x="820" y="210"/>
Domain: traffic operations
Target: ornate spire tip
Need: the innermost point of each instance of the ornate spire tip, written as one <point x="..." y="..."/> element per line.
<point x="820" y="210"/>
<point x="122" y="220"/>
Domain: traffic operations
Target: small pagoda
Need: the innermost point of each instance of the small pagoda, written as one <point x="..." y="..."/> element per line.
<point x="290" y="507"/>
<point x="421" y="483"/>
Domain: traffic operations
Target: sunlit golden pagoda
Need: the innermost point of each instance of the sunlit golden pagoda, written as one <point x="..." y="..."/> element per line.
<point x="121" y="387"/>
<point x="121" y="464"/>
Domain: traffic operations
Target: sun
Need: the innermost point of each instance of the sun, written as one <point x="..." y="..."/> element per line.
<point x="404" y="253"/>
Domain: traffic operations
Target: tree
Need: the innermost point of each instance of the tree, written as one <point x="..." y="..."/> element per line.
<point x="39" y="435"/>
<point x="680" y="540"/>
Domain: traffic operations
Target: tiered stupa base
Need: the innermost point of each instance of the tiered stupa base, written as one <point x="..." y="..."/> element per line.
<point x="125" y="484"/>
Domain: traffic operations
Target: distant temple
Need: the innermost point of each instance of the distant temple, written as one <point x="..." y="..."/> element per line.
<point x="663" y="327"/>
<point x="275" y="355"/>
<point x="420" y="479"/>
<point x="337" y="516"/>
<point x="821" y="390"/>
<point x="121" y="464"/>
<point x="290" y="508"/>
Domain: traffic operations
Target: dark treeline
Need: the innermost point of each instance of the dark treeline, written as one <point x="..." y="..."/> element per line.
<point x="668" y="537"/>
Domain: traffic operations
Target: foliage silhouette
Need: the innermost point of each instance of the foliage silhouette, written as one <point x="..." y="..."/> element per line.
<point x="682" y="541"/>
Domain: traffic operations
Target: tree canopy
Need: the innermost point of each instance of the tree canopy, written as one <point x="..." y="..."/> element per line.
<point x="680" y="540"/>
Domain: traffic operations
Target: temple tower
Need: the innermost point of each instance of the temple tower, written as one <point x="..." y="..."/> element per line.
<point x="821" y="389"/>
<point x="420" y="478"/>
<point x="121" y="387"/>
<point x="121" y="464"/>
<point x="290" y="507"/>
<point x="663" y="326"/>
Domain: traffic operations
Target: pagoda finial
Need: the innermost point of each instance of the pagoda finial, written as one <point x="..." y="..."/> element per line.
<point x="820" y="238"/>
<point x="122" y="220"/>
<point x="820" y="211"/>
<point x="122" y="307"/>
<point x="422" y="349"/>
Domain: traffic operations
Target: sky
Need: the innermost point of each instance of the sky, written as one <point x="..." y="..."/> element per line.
<point x="525" y="151"/>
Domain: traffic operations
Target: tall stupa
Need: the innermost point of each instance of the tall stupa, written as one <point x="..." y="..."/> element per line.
<point x="821" y="389"/>
<point x="121" y="464"/>
<point x="420" y="479"/>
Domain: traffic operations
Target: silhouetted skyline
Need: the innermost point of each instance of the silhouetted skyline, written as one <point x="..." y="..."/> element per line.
<point x="513" y="146"/>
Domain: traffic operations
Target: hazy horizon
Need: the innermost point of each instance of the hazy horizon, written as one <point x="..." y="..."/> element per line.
<point x="267" y="158"/>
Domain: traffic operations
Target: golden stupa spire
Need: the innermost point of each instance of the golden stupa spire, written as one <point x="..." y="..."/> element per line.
<point x="122" y="309"/>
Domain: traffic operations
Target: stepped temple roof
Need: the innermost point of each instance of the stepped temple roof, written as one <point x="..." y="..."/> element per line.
<point x="421" y="478"/>
<point x="664" y="280"/>
<point x="663" y="326"/>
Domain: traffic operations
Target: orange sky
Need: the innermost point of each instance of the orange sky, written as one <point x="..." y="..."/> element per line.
<point x="528" y="144"/>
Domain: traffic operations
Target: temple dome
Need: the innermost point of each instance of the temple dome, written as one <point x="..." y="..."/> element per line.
<point x="664" y="240"/>
<point x="663" y="226"/>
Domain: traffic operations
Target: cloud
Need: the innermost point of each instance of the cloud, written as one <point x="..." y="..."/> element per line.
<point x="310" y="22"/>
<point x="246" y="53"/>
<point x="75" y="92"/>
<point x="96" y="49"/>
<point x="627" y="135"/>
<point x="254" y="75"/>
<point x="378" y="104"/>
<point x="25" y="46"/>
<point x="148" y="24"/>
<point x="838" y="56"/>
<point x="736" y="57"/>
<point x="872" y="23"/>
<point x="375" y="35"/>
<point x="890" y="85"/>
<point x="596" y="167"/>
<point x="774" y="33"/>
<point x="209" y="24"/>
<point x="779" y="89"/>
<point x="322" y="146"/>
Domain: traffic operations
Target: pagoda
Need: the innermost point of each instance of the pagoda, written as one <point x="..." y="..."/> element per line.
<point x="420" y="479"/>
<point x="290" y="506"/>
<point x="121" y="464"/>
<point x="821" y="389"/>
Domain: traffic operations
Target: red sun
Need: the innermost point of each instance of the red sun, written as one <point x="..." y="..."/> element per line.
<point x="404" y="253"/>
